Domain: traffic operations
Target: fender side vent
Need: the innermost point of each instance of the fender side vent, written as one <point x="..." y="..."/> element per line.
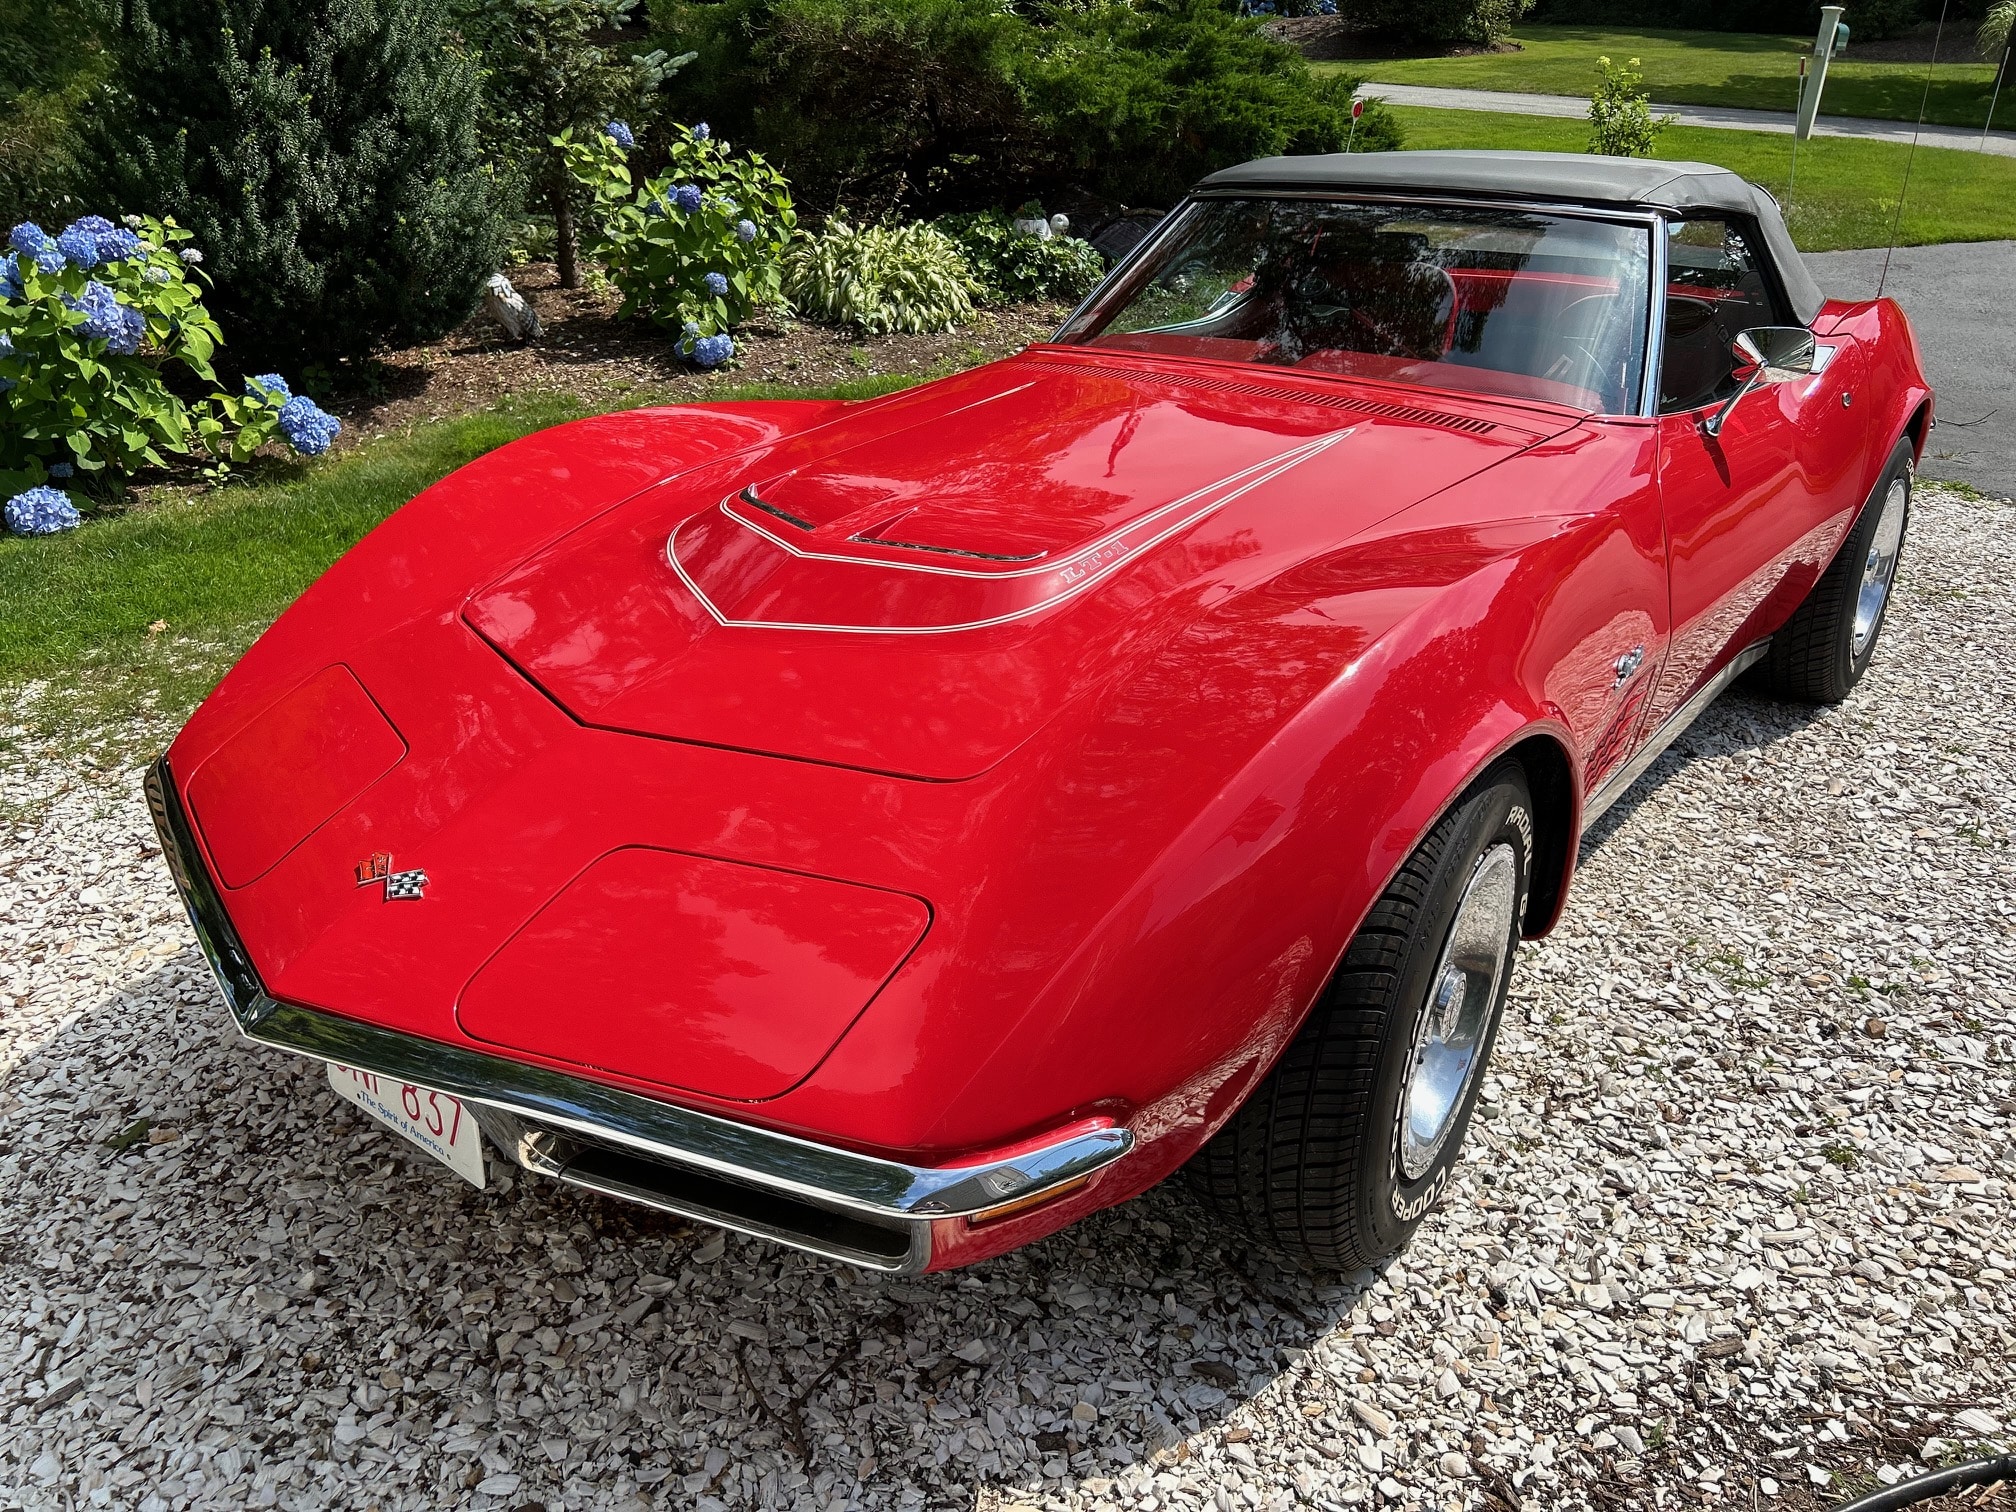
<point x="1385" y="411"/>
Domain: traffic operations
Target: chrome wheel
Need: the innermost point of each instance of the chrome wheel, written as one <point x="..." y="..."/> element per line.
<point x="1449" y="1037"/>
<point x="1881" y="565"/>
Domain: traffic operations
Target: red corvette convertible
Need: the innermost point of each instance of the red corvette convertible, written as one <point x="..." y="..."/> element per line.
<point x="901" y="828"/>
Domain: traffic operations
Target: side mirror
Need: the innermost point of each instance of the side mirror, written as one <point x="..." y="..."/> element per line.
<point x="1765" y="354"/>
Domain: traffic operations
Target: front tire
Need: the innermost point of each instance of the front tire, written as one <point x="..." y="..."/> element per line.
<point x="1341" y="1151"/>
<point x="1831" y="638"/>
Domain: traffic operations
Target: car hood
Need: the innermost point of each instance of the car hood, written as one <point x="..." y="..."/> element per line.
<point x="916" y="586"/>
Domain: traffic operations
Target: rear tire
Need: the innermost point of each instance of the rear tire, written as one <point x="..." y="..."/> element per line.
<point x="1831" y="638"/>
<point x="1349" y="1141"/>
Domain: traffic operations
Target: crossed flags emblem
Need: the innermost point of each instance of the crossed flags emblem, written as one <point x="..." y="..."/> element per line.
<point x="398" y="884"/>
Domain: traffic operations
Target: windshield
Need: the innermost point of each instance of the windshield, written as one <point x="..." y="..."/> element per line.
<point x="1499" y="300"/>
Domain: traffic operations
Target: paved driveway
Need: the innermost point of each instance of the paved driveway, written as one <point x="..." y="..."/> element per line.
<point x="1959" y="296"/>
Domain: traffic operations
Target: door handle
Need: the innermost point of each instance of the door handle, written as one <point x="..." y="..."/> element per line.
<point x="1627" y="664"/>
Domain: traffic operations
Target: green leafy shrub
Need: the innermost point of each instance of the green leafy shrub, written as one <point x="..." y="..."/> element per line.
<point x="1009" y="266"/>
<point x="695" y="248"/>
<point x="940" y="105"/>
<point x="881" y="278"/>
<point x="1139" y="103"/>
<point x="1620" y="112"/>
<point x="323" y="152"/>
<point x="1478" y="23"/>
<point x="99" y="328"/>
<point x="873" y="103"/>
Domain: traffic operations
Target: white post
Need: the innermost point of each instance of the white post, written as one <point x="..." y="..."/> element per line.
<point x="1823" y="49"/>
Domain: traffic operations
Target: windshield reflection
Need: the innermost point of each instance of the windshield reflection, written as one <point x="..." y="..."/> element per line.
<point x="1494" y="300"/>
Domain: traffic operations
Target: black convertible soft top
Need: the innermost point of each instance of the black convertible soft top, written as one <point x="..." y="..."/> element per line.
<point x="1559" y="177"/>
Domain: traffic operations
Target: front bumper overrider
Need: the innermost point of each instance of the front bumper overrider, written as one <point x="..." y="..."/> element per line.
<point x="835" y="1202"/>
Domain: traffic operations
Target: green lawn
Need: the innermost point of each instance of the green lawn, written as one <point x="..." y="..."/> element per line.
<point x="1847" y="191"/>
<point x="1714" y="68"/>
<point x="217" y="566"/>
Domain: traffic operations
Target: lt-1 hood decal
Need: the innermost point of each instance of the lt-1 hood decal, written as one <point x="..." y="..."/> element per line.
<point x="729" y="549"/>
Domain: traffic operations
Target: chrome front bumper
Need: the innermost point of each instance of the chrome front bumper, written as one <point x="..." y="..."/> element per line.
<point x="839" y="1203"/>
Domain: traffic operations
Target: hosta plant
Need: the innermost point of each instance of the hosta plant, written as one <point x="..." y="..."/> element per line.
<point x="102" y="329"/>
<point x="695" y="248"/>
<point x="881" y="278"/>
<point x="1010" y="265"/>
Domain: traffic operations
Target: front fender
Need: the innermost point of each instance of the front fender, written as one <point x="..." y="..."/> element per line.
<point x="429" y="554"/>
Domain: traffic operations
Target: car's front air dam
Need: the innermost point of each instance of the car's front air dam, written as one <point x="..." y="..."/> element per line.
<point x="836" y="1202"/>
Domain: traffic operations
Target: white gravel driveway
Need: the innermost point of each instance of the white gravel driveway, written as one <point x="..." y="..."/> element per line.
<point x="1738" y="1221"/>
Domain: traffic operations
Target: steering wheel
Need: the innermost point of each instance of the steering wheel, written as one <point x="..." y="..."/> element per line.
<point x="1406" y="310"/>
<point x="1387" y="332"/>
<point x="1578" y="329"/>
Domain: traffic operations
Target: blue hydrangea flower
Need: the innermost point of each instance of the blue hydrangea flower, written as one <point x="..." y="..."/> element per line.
<point x="101" y="310"/>
<point x="81" y="247"/>
<point x="687" y="197"/>
<point x="49" y="257"/>
<point x="702" y="131"/>
<point x="60" y="469"/>
<point x="268" y="386"/>
<point x="41" y="511"/>
<point x="746" y="229"/>
<point x="132" y="331"/>
<point x="107" y="242"/>
<point x="620" y="133"/>
<point x="308" y="427"/>
<point x="712" y="351"/>
<point x="716" y="284"/>
<point x="117" y="244"/>
<point x="27" y="238"/>
<point x="190" y="255"/>
<point x="10" y="276"/>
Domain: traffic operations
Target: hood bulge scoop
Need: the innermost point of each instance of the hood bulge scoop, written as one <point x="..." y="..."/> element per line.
<point x="927" y="559"/>
<point x="917" y="587"/>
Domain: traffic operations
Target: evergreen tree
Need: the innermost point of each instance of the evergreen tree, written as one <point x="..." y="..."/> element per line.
<point x="325" y="154"/>
<point x="552" y="66"/>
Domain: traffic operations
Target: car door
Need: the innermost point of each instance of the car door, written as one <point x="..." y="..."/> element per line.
<point x="1753" y="514"/>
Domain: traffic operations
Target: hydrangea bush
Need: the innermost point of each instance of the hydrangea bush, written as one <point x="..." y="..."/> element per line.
<point x="696" y="248"/>
<point x="95" y="322"/>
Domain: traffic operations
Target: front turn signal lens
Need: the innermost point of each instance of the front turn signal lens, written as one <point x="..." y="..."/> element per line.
<point x="1024" y="1204"/>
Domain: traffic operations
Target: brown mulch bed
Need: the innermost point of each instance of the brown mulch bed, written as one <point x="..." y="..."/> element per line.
<point x="588" y="351"/>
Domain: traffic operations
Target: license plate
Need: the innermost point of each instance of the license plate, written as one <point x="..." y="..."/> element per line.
<point x="435" y="1121"/>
